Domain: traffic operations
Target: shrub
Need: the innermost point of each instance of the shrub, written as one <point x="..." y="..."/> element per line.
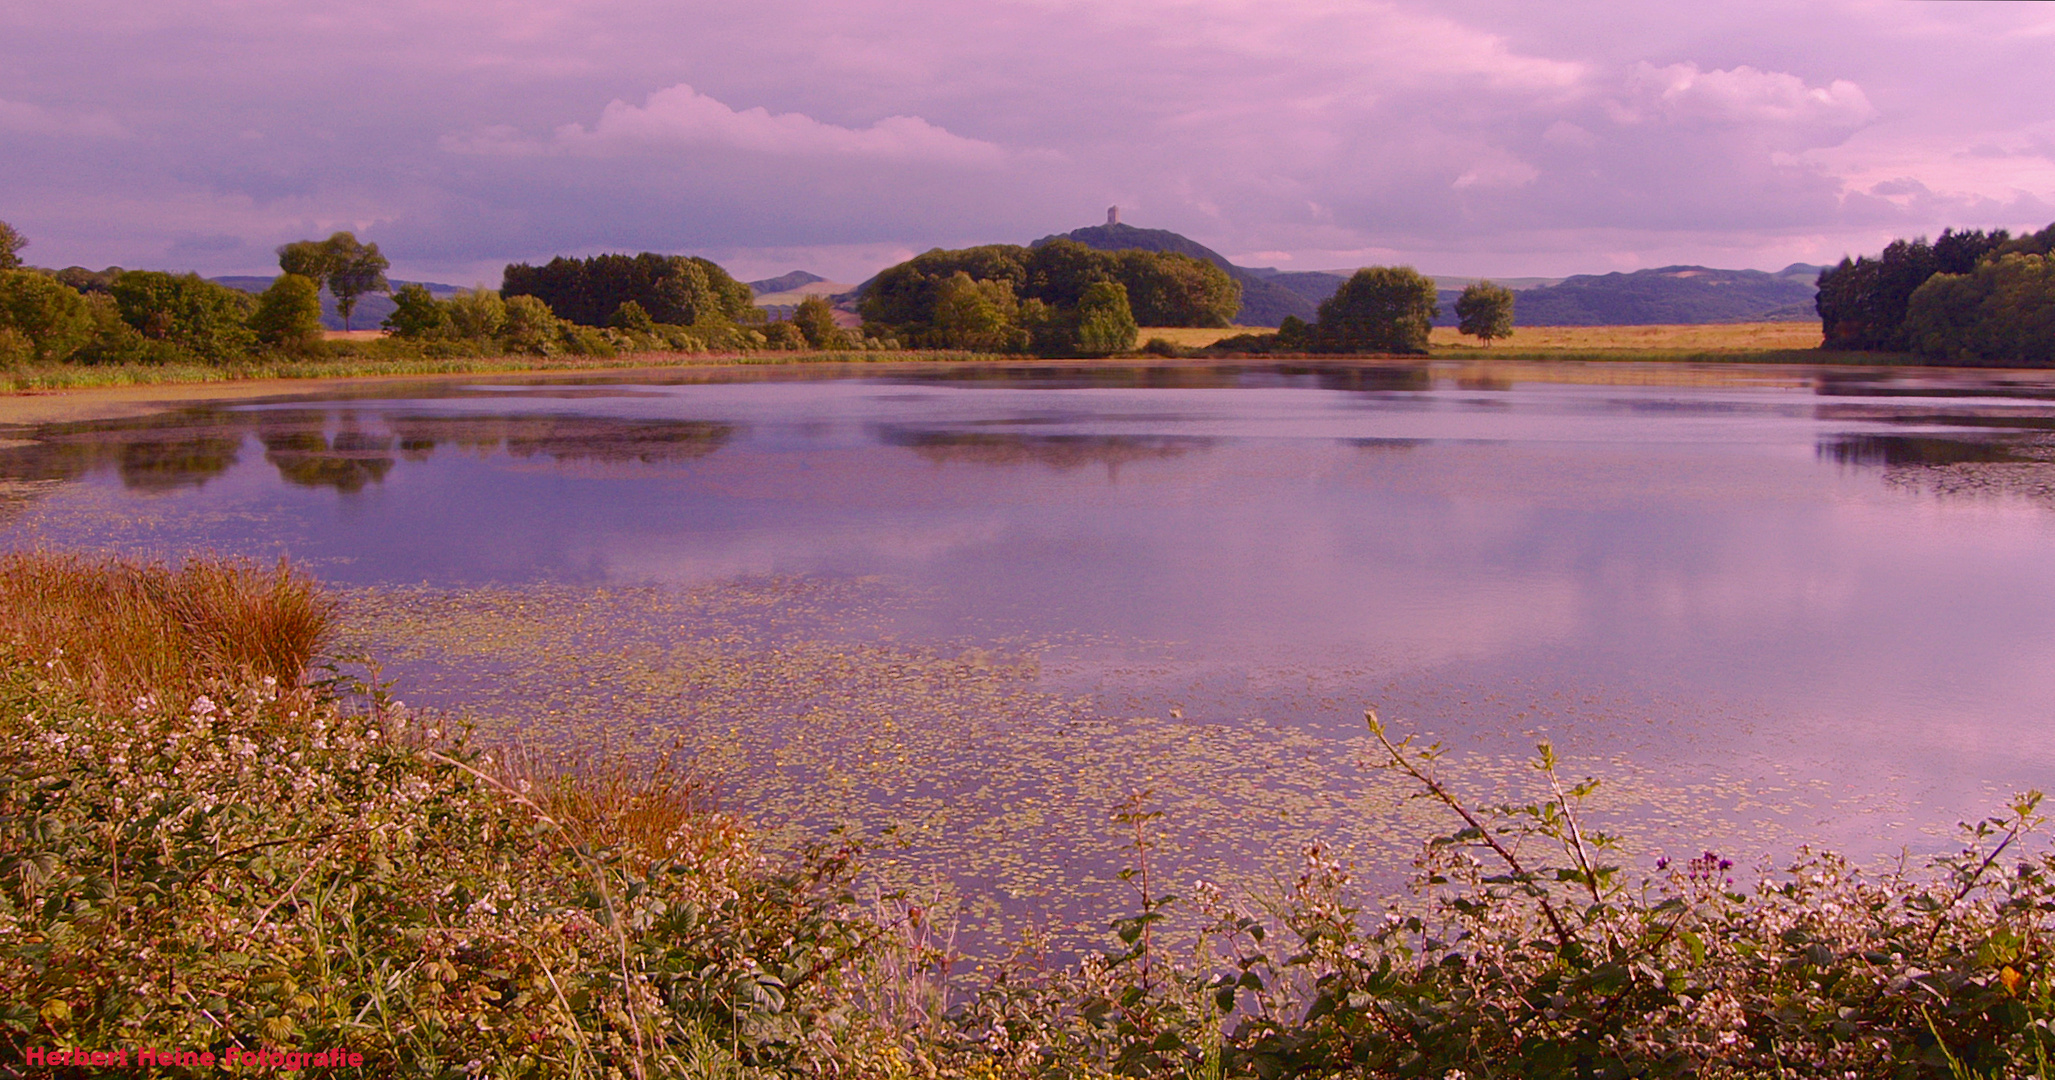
<point x="531" y="327"/>
<point x="53" y="316"/>
<point x="203" y="319"/>
<point x="417" y="314"/>
<point x="478" y="313"/>
<point x="288" y="315"/>
<point x="1104" y="323"/>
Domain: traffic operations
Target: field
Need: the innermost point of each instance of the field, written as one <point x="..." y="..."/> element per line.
<point x="1715" y="337"/>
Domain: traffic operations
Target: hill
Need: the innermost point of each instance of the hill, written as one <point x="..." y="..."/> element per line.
<point x="1265" y="301"/>
<point x="372" y="308"/>
<point x="784" y="282"/>
<point x="1672" y="295"/>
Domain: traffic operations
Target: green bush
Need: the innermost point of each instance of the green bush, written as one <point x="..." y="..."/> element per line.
<point x="531" y="327"/>
<point x="206" y="321"/>
<point x="288" y="315"/>
<point x="417" y="314"/>
<point x="1104" y="323"/>
<point x="478" y="313"/>
<point x="1485" y="311"/>
<point x="54" y="318"/>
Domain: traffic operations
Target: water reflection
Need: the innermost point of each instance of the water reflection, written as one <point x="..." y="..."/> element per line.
<point x="344" y="451"/>
<point x="1894" y="450"/>
<point x="1060" y="452"/>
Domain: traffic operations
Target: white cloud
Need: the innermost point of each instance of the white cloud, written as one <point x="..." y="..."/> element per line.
<point x="1744" y="95"/>
<point x="680" y="116"/>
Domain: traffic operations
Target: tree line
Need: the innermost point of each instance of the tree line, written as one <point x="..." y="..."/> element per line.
<point x="1057" y="298"/>
<point x="1969" y="297"/>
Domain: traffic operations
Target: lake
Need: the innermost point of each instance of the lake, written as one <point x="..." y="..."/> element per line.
<point x="962" y="613"/>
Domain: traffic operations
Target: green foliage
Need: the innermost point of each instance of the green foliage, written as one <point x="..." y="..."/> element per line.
<point x="309" y="259"/>
<point x="531" y="327"/>
<point x="1382" y="309"/>
<point x="1863" y="302"/>
<point x="1170" y="289"/>
<point x="196" y="317"/>
<point x="2001" y="313"/>
<point x="815" y="318"/>
<point x="1485" y="311"/>
<point x="354" y="269"/>
<point x="783" y="337"/>
<point x="89" y="281"/>
<point x="672" y="289"/>
<point x="288" y="314"/>
<point x="631" y="317"/>
<point x="418" y="314"/>
<point x="11" y="243"/>
<point x="52" y="316"/>
<point x="349" y="267"/>
<point x="1104" y="323"/>
<point x="1163" y="289"/>
<point x="982" y="316"/>
<point x="477" y="314"/>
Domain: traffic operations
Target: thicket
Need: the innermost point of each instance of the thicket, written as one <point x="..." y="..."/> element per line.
<point x="1970" y="297"/>
<point x="1059" y="298"/>
<point x="672" y="289"/>
<point x="205" y="851"/>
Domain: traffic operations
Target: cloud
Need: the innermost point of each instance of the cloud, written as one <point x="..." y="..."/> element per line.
<point x="1744" y="95"/>
<point x="24" y="118"/>
<point x="679" y="116"/>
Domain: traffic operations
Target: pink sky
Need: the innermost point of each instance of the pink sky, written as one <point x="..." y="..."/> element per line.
<point x="1478" y="137"/>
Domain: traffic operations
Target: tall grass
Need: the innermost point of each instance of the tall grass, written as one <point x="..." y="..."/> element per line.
<point x="124" y="629"/>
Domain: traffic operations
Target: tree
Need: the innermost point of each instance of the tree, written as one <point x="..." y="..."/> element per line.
<point x="11" y="243"/>
<point x="54" y="318"/>
<point x="1105" y="325"/>
<point x="1382" y="309"/>
<point x="417" y="314"/>
<point x="673" y="289"/>
<point x="1485" y="311"/>
<point x="353" y="269"/>
<point x="305" y="258"/>
<point x="288" y="314"/>
<point x="2001" y="313"/>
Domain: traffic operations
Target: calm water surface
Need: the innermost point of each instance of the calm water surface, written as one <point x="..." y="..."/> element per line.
<point x="1832" y="593"/>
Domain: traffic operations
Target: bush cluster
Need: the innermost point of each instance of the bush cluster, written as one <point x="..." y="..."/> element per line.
<point x="1059" y="298"/>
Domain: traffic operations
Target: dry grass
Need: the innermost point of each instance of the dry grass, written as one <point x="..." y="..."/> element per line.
<point x="1707" y="337"/>
<point x="1195" y="337"/>
<point x="352" y="335"/>
<point x="654" y="812"/>
<point x="125" y="629"/>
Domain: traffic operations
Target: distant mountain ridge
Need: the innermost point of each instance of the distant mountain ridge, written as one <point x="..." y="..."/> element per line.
<point x="1665" y="295"/>
<point x="783" y="282"/>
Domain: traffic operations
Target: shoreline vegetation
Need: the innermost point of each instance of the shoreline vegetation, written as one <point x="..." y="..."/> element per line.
<point x="359" y="358"/>
<point x="206" y="847"/>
